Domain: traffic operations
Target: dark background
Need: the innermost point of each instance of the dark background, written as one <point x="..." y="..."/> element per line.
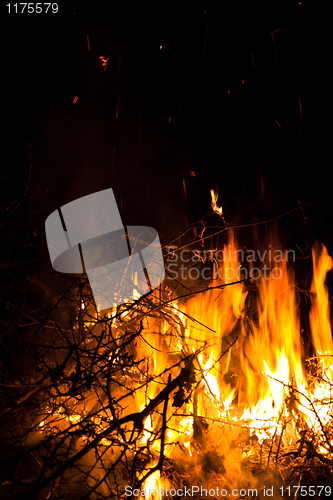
<point x="248" y="90"/>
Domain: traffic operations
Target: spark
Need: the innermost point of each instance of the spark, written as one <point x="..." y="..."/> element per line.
<point x="88" y="43"/>
<point x="184" y="186"/>
<point x="75" y="99"/>
<point x="277" y="123"/>
<point x="104" y="61"/>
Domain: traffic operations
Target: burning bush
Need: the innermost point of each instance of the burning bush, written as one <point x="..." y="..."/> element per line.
<point x="209" y="389"/>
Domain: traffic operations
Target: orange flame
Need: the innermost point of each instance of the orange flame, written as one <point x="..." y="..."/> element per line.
<point x="246" y="362"/>
<point x="214" y="196"/>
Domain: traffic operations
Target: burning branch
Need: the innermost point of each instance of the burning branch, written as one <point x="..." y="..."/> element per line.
<point x="159" y="466"/>
<point x="186" y="383"/>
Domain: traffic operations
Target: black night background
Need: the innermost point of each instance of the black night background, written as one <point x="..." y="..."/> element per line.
<point x="239" y="95"/>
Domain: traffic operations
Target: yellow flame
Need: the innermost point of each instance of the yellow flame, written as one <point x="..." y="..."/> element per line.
<point x="214" y="196"/>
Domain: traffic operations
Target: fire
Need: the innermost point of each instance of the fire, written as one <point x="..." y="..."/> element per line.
<point x="246" y="383"/>
<point x="214" y="196"/>
<point x="319" y="315"/>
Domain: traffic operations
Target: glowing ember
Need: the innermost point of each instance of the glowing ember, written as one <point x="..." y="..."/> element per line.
<point x="104" y="61"/>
